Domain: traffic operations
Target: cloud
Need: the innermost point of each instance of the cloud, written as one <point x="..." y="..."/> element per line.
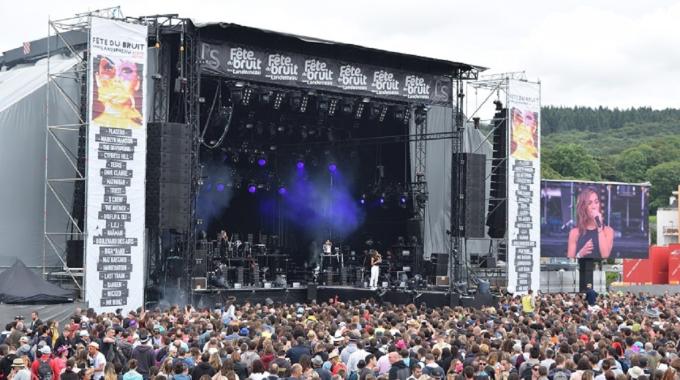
<point x="614" y="53"/>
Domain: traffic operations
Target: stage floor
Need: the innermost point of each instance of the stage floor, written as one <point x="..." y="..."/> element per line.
<point x="430" y="297"/>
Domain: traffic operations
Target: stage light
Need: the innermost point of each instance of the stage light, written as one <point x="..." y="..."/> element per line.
<point x="360" y="110"/>
<point x="332" y="167"/>
<point x="381" y="200"/>
<point x="282" y="190"/>
<point x="261" y="161"/>
<point x="362" y="200"/>
<point x="252" y="188"/>
<point x="247" y="95"/>
<point x="421" y="115"/>
<point x="347" y="108"/>
<point x="300" y="165"/>
<point x="304" y="103"/>
<point x="266" y="97"/>
<point x="402" y="200"/>
<point x="407" y="115"/>
<point x="278" y="100"/>
<point x="383" y="113"/>
<point x="332" y="107"/>
<point x="219" y="187"/>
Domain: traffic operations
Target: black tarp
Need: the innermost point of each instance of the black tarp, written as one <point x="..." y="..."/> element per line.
<point x="19" y="284"/>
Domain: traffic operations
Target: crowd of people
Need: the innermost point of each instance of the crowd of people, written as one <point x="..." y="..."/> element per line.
<point x="535" y="337"/>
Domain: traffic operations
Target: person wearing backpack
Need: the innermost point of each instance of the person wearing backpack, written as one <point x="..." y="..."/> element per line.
<point x="44" y="367"/>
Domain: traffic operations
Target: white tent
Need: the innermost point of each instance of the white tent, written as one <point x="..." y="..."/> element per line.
<point x="22" y="154"/>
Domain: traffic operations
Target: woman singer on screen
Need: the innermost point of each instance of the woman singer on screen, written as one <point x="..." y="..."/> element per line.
<point x="591" y="237"/>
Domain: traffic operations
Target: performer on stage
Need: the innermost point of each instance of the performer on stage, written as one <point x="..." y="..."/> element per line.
<point x="376" y="259"/>
<point x="223" y="243"/>
<point x="327" y="247"/>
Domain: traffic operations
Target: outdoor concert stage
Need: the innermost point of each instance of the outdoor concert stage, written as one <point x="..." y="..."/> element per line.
<point x="435" y="298"/>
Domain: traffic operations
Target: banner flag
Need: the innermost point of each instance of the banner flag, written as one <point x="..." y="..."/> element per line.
<point x="116" y="165"/>
<point x="524" y="186"/>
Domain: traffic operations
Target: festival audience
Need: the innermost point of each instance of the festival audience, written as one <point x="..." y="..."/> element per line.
<point x="533" y="337"/>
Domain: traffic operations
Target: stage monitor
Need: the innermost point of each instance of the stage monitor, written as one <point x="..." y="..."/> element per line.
<point x="594" y="220"/>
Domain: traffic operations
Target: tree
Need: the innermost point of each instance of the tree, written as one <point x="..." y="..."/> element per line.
<point x="572" y="161"/>
<point x="631" y="165"/>
<point x="547" y="172"/>
<point x="665" y="178"/>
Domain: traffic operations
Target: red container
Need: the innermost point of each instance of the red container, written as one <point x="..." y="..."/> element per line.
<point x="659" y="256"/>
<point x="637" y="271"/>
<point x="674" y="266"/>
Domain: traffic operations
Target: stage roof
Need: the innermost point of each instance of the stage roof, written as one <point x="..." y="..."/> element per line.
<point x="330" y="49"/>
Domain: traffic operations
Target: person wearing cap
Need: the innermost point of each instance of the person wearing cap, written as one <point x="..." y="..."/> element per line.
<point x="97" y="360"/>
<point x="19" y="370"/>
<point x="336" y="364"/>
<point x="39" y="368"/>
<point x="144" y="355"/>
<point x="350" y="349"/>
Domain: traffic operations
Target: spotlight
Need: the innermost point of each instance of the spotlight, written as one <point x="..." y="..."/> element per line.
<point x="383" y="113"/>
<point x="252" y="188"/>
<point x="247" y="95"/>
<point x="303" y="103"/>
<point x="421" y="115"/>
<point x="381" y="200"/>
<point x="407" y="115"/>
<point x="347" y="108"/>
<point x="219" y="187"/>
<point x="362" y="200"/>
<point x="332" y="167"/>
<point x="360" y="110"/>
<point x="282" y="190"/>
<point x="266" y="97"/>
<point x="300" y="164"/>
<point x="332" y="107"/>
<point x="402" y="200"/>
<point x="261" y="161"/>
<point x="278" y="100"/>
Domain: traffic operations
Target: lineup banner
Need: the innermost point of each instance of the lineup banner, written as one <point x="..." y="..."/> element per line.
<point x="116" y="166"/>
<point x="524" y="186"/>
<point x="240" y="61"/>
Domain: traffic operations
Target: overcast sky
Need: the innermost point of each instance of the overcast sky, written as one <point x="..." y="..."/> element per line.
<point x="616" y="53"/>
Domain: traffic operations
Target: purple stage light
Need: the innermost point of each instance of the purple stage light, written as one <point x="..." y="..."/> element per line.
<point x="402" y="199"/>
<point x="300" y="165"/>
<point x="262" y="162"/>
<point x="252" y="189"/>
<point x="282" y="190"/>
<point x="219" y="187"/>
<point x="362" y="201"/>
<point x="332" y="168"/>
<point x="381" y="200"/>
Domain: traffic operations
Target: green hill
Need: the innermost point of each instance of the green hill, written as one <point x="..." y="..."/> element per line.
<point x="634" y="145"/>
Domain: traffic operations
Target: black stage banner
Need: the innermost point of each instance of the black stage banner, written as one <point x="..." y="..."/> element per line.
<point x="289" y="69"/>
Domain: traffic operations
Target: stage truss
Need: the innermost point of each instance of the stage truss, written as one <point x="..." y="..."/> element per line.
<point x="490" y="89"/>
<point x="64" y="240"/>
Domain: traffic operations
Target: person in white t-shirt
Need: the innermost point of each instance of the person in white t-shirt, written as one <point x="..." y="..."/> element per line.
<point x="97" y="360"/>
